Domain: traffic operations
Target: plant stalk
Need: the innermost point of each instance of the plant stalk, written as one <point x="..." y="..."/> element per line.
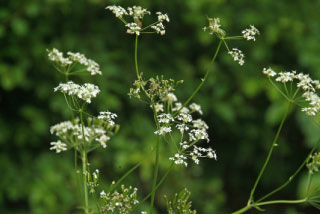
<point x="155" y="175"/>
<point x="84" y="166"/>
<point x="274" y="143"/>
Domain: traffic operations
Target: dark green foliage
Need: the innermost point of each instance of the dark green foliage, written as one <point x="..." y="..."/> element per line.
<point x="241" y="108"/>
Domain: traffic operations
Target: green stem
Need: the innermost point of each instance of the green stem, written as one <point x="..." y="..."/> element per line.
<point x="309" y="184"/>
<point x="282" y="202"/>
<point x="85" y="188"/>
<point x="84" y="167"/>
<point x="158" y="185"/>
<point x="274" y="143"/>
<point x="292" y="176"/>
<point x="204" y="78"/>
<point x="76" y="172"/>
<point x="244" y="209"/>
<point x="136" y="57"/>
<point x="248" y="207"/>
<point x="155" y="175"/>
<point x="125" y="175"/>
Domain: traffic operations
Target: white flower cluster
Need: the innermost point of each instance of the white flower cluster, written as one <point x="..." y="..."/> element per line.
<point x="304" y="83"/>
<point x="118" y="11"/>
<point x="170" y="98"/>
<point x="108" y="117"/>
<point x="91" y="66"/>
<point x="70" y="133"/>
<point x="269" y="72"/>
<point x="119" y="202"/>
<point x="85" y="92"/>
<point x="214" y="26"/>
<point x="237" y="55"/>
<point x="56" y="56"/>
<point x="192" y="131"/>
<point x="179" y="159"/>
<point x="249" y="34"/>
<point x="159" y="28"/>
<point x="58" y="146"/>
<point x="133" y="28"/>
<point x="137" y="13"/>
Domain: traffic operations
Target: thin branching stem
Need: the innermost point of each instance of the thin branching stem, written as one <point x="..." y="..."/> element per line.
<point x="203" y="79"/>
<point x="274" y="143"/>
<point x="292" y="176"/>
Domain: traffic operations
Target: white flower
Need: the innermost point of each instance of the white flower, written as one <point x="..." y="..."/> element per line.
<point x="165" y="118"/>
<point x="103" y="194"/>
<point x="58" y="146"/>
<point x="138" y="12"/>
<point x="198" y="134"/>
<point x="92" y="67"/>
<point x="108" y="117"/>
<point x="269" y="72"/>
<point x="250" y="33"/>
<point x="162" y="17"/>
<point x="170" y="98"/>
<point x="185" y="118"/>
<point x="286" y="76"/>
<point x="103" y="140"/>
<point x="200" y="124"/>
<point x="178" y="106"/>
<point x="56" y="56"/>
<point x="117" y="10"/>
<point x="182" y="127"/>
<point x="237" y="55"/>
<point x="179" y="159"/>
<point x="61" y="128"/>
<point x="163" y="130"/>
<point x="159" y="28"/>
<point x="214" y="26"/>
<point x="85" y="92"/>
<point x="311" y="111"/>
<point x="133" y="28"/>
<point x="305" y="82"/>
<point x="196" y="108"/>
<point x="158" y="107"/>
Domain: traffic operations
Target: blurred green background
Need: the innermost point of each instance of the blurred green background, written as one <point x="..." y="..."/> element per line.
<point x="240" y="106"/>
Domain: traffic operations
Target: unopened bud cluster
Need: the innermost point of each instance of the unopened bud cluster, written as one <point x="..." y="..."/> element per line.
<point x="119" y="202"/>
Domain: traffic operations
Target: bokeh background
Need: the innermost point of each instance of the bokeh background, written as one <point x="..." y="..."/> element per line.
<point x="240" y="106"/>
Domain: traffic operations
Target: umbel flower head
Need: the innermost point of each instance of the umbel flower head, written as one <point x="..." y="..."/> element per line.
<point x="172" y="116"/>
<point x="214" y="28"/>
<point x="98" y="131"/>
<point x="304" y="93"/>
<point x="135" y="24"/>
<point x="72" y="59"/>
<point x="84" y="92"/>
